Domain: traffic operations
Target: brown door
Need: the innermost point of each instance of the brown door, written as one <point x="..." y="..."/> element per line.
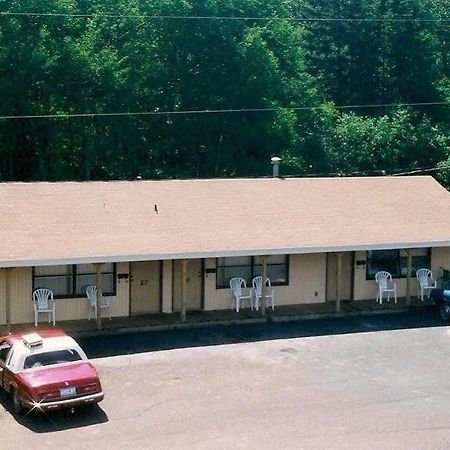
<point x="194" y="285"/>
<point x="145" y="287"/>
<point x="346" y="276"/>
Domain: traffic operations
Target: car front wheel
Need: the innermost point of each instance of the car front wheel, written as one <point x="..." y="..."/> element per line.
<point x="444" y="310"/>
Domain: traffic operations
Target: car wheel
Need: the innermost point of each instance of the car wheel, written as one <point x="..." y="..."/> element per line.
<point x="444" y="310"/>
<point x="16" y="403"/>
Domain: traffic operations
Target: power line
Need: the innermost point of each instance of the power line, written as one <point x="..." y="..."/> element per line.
<point x="224" y="18"/>
<point x="422" y="170"/>
<point x="215" y="111"/>
<point x="381" y="172"/>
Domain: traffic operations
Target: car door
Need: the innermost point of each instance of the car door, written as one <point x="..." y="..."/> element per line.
<point x="5" y="349"/>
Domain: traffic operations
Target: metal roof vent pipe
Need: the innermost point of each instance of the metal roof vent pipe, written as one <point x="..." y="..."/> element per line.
<point x="275" y="160"/>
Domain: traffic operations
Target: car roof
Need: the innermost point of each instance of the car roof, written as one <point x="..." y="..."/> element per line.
<point x="45" y="334"/>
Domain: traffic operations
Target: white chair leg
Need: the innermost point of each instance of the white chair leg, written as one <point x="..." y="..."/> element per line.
<point x="35" y="318"/>
<point x="237" y="304"/>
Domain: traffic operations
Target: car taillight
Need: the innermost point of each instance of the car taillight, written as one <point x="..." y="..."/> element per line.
<point x="88" y="388"/>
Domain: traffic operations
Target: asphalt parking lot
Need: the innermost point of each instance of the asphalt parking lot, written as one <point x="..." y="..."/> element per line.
<point x="376" y="382"/>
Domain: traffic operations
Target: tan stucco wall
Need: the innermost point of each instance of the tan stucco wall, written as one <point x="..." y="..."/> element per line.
<point x="440" y="259"/>
<point x="367" y="289"/>
<point x="307" y="284"/>
<point x="2" y="297"/>
<point x="66" y="309"/>
<point x="307" y="274"/>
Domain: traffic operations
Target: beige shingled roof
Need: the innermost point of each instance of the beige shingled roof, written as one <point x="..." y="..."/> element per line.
<point x="57" y="223"/>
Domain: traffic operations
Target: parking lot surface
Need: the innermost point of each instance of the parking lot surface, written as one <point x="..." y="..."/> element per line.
<point x="366" y="390"/>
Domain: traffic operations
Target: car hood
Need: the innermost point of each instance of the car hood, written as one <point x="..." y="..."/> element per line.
<point x="60" y="375"/>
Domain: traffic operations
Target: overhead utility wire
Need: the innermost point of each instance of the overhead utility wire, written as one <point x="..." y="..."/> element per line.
<point x="381" y="172"/>
<point x="242" y="18"/>
<point x="423" y="170"/>
<point x="214" y="111"/>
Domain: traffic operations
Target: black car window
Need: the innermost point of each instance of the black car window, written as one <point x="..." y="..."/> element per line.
<point x="4" y="350"/>
<point x="49" y="358"/>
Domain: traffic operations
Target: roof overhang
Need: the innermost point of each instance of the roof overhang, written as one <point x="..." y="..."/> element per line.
<point x="220" y="254"/>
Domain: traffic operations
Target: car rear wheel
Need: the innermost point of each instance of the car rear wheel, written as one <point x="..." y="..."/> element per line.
<point x="16" y="403"/>
<point x="444" y="310"/>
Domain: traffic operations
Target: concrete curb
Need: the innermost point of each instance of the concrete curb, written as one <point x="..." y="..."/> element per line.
<point x="213" y="323"/>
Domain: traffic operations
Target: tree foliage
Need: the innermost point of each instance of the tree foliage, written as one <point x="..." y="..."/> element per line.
<point x="106" y="57"/>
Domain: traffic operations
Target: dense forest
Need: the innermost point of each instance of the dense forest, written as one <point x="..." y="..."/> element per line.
<point x="214" y="88"/>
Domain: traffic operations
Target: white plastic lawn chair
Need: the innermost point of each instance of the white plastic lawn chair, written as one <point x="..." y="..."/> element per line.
<point x="257" y="289"/>
<point x="91" y="293"/>
<point x="237" y="285"/>
<point x="43" y="303"/>
<point x="385" y="286"/>
<point x="426" y="282"/>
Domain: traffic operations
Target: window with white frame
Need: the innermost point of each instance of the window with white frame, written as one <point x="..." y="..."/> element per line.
<point x="72" y="280"/>
<point x="396" y="262"/>
<point x="248" y="267"/>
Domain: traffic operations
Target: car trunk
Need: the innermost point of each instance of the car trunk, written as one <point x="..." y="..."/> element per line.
<point x="62" y="381"/>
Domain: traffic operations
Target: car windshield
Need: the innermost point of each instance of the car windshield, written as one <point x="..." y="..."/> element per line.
<point x="49" y="358"/>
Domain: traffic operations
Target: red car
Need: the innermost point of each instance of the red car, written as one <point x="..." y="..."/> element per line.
<point x="47" y="370"/>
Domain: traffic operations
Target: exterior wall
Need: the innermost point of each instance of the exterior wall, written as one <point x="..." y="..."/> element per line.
<point x="66" y="309"/>
<point x="367" y="289"/>
<point x="440" y="259"/>
<point x="309" y="281"/>
<point x="2" y="296"/>
<point x="307" y="276"/>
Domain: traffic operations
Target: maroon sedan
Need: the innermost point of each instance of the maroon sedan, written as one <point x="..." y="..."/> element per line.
<point x="47" y="370"/>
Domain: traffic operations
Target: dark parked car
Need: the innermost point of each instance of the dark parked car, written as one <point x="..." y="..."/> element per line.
<point x="441" y="298"/>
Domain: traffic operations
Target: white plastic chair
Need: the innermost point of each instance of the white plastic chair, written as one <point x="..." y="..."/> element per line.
<point x="91" y="293"/>
<point x="257" y="290"/>
<point x="237" y="285"/>
<point x="43" y="303"/>
<point x="426" y="282"/>
<point x="385" y="285"/>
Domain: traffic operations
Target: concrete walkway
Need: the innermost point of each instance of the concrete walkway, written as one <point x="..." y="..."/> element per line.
<point x="206" y="318"/>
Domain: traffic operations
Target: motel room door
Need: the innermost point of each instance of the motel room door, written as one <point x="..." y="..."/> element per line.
<point x="346" y="276"/>
<point x="145" y="289"/>
<point x="194" y="285"/>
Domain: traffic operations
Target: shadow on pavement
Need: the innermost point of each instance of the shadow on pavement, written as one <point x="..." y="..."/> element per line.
<point x="129" y="343"/>
<point x="57" y="420"/>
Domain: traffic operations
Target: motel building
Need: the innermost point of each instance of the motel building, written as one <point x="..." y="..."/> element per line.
<point x="171" y="247"/>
